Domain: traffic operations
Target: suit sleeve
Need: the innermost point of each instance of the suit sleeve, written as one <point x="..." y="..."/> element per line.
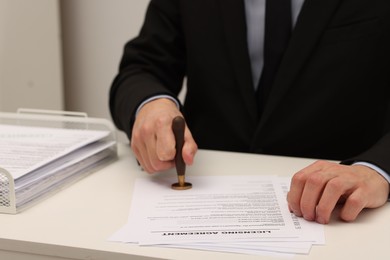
<point x="377" y="155"/>
<point x="152" y="64"/>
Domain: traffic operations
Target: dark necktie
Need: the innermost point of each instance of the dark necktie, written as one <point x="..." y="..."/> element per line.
<point x="278" y="27"/>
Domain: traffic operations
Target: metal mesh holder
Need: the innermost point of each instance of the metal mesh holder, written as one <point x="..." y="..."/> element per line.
<point x="7" y="193"/>
<point x="5" y="198"/>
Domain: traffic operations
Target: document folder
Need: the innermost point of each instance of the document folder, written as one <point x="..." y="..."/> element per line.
<point x="22" y="186"/>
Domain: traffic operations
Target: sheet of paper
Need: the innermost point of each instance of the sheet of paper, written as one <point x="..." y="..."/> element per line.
<point x="50" y="177"/>
<point x="219" y="212"/>
<point x="63" y="163"/>
<point x="24" y="149"/>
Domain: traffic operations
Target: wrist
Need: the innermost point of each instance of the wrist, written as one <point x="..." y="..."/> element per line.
<point x="160" y="98"/>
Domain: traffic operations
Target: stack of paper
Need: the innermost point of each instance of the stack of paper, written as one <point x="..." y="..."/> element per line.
<point x="240" y="214"/>
<point x="41" y="159"/>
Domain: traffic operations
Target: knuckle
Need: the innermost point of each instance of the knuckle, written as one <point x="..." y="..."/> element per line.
<point x="165" y="150"/>
<point x="335" y="184"/>
<point x="307" y="210"/>
<point x="315" y="180"/>
<point x="299" y="178"/>
<point x="295" y="208"/>
<point x="320" y="163"/>
<point x="163" y="121"/>
<point x="355" y="201"/>
<point x="145" y="130"/>
<point x="166" y="154"/>
<point x="293" y="199"/>
<point x="135" y="137"/>
<point x="323" y="210"/>
<point x="354" y="204"/>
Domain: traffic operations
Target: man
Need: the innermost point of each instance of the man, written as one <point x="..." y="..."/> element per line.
<point x="329" y="99"/>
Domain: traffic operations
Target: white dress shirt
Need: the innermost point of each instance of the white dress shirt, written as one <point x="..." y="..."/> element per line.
<point x="255" y="21"/>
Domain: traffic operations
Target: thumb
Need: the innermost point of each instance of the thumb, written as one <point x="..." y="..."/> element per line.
<point x="189" y="148"/>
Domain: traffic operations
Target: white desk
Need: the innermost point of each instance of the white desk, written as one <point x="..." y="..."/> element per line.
<point x="76" y="222"/>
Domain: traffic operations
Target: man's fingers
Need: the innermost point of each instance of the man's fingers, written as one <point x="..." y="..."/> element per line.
<point x="316" y="190"/>
<point x="295" y="193"/>
<point x="354" y="204"/>
<point x="297" y="187"/>
<point x="165" y="140"/>
<point x="333" y="191"/>
<point x="311" y="195"/>
<point x="141" y="155"/>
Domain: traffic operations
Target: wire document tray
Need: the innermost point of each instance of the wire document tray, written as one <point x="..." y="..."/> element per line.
<point x="84" y="145"/>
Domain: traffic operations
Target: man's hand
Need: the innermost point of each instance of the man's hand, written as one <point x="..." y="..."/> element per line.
<point x="316" y="190"/>
<point x="152" y="139"/>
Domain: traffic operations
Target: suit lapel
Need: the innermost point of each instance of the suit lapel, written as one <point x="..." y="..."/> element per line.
<point x="312" y="21"/>
<point x="234" y="23"/>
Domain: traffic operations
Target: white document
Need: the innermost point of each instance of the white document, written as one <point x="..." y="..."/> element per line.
<point x="24" y="149"/>
<point x="220" y="212"/>
<point x="40" y="159"/>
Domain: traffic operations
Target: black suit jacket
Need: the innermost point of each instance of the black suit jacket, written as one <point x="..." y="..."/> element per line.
<point x="330" y="99"/>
